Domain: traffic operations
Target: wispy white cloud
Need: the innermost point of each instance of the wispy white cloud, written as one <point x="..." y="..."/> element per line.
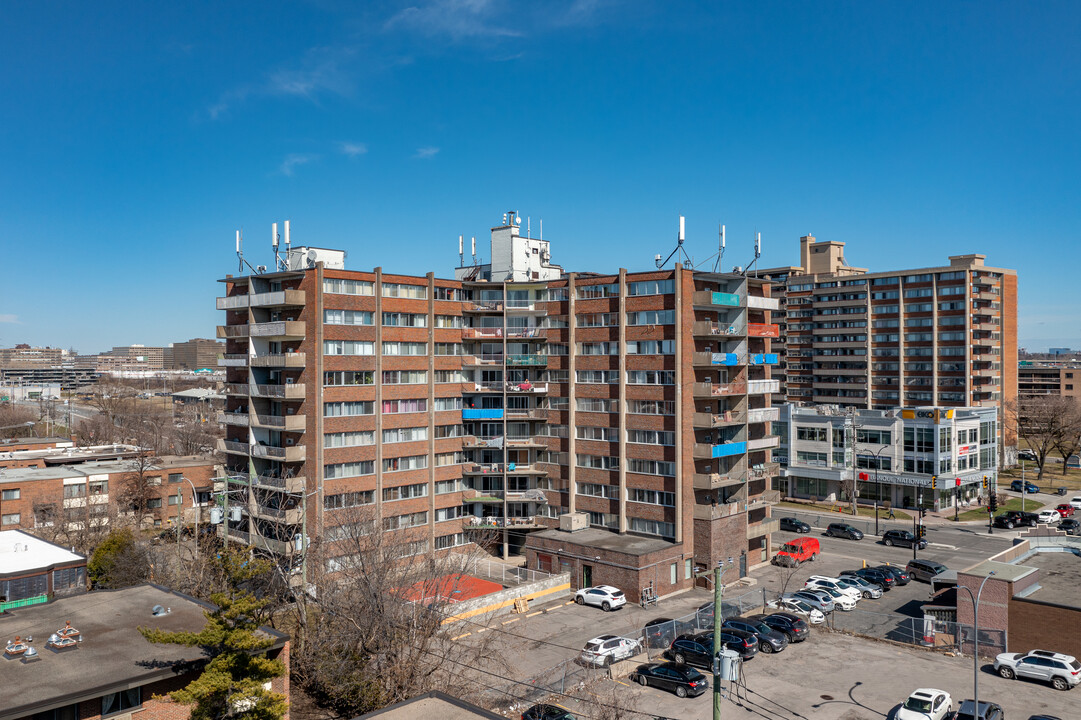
<point x="322" y="71"/>
<point x="295" y="160"/>
<point x="426" y="152"/>
<point x="453" y="19"/>
<point x="9" y="318"/>
<point x="352" y="149"/>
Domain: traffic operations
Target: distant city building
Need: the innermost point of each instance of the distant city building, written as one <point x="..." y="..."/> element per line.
<point x="1036" y="378"/>
<point x="943" y="336"/>
<point x="1059" y="351"/>
<point x="24" y="356"/>
<point x="892" y="454"/>
<point x="138" y="355"/>
<point x="196" y="354"/>
<point x="28" y="367"/>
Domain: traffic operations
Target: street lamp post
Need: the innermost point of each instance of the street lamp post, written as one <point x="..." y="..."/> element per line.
<point x="975" y="638"/>
<point x="718" y="619"/>
<point x="878" y="483"/>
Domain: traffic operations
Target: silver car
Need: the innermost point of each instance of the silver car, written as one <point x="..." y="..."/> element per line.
<point x="817" y="599"/>
<point x="868" y="589"/>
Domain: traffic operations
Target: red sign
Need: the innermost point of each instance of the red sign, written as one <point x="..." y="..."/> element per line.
<point x="958" y="482"/>
<point x="863" y="476"/>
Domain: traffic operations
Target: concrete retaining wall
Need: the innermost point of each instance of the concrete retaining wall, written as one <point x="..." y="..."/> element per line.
<point x="503" y="601"/>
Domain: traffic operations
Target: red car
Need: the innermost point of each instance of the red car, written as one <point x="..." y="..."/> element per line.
<point x="1065" y="509"/>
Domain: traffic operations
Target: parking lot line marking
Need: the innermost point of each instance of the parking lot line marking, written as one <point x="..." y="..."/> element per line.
<point x="511" y="621"/>
<point x="622" y="683"/>
<point x="462" y="636"/>
<point x="534" y="613"/>
<point x="569" y="602"/>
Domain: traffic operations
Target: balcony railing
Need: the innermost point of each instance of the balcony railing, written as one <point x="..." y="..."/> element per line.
<point x="290" y="484"/>
<point x="712" y="358"/>
<point x="527" y="414"/>
<point x="716" y="298"/>
<point x="233" y="360"/>
<point x="764" y="470"/>
<point x="233" y="418"/>
<point x="727" y="449"/>
<point x="232" y="446"/>
<point x="233" y="331"/>
<point x="279" y="422"/>
<point x="764" y="443"/>
<point x="763" y="359"/>
<point x="483" y="306"/>
<point x="757" y="387"/>
<point x="705" y="327"/>
<point x="293" y="359"/>
<point x="236" y="389"/>
<point x="483" y="359"/>
<point x="233" y="302"/>
<point x="527" y="333"/>
<point x="278" y="547"/>
<point x="764" y="527"/>
<point x="294" y="453"/>
<point x="482" y="413"/>
<point x="294" y="391"/>
<point x="478" y="523"/>
<point x="763" y="303"/>
<point x="279" y="328"/>
<point x="711" y="481"/>
<point x="764" y="415"/>
<point x="720" y="389"/>
<point x="527" y="387"/>
<point x="277" y="298"/>
<point x="729" y="417"/>
<point x="482" y="333"/>
<point x="718" y="511"/>
<point x="527" y="360"/>
<point x="762" y="330"/>
<point x="289" y="516"/>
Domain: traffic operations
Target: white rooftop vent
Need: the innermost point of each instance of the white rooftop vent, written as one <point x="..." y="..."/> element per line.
<point x="158" y="611"/>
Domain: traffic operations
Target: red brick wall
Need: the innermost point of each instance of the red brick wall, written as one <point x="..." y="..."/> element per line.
<point x="1043" y="626"/>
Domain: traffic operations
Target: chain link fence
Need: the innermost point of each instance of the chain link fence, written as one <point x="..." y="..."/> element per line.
<point x="569" y="677"/>
<point x="923" y="632"/>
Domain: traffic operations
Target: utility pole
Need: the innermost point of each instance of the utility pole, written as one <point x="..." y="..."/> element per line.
<point x="718" y="619"/>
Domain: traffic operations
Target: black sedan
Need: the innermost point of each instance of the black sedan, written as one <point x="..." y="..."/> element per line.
<point x="902" y="538"/>
<point x="886" y="581"/>
<point x="793" y="525"/>
<point x="546" y="712"/>
<point x="898" y="574"/>
<point x="843" y="530"/>
<point x="697" y="649"/>
<point x="683" y="680"/>
<point x="1070" y="526"/>
<point x="769" y="640"/>
<point x="660" y="632"/>
<point x="791" y="626"/>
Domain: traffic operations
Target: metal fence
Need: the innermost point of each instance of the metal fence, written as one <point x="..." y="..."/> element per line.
<point x="570" y="677"/>
<point x="923" y="631"/>
<point x="506" y="575"/>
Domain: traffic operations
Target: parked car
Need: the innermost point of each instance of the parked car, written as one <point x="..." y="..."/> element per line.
<point x="924" y="569"/>
<point x="797" y="551"/>
<point x="792" y="626"/>
<point x="605" y="597"/>
<point x="660" y="632"/>
<point x="874" y="576"/>
<point x="903" y="538"/>
<point x="986" y="711"/>
<point x="607" y="649"/>
<point x="1029" y="487"/>
<point x="704" y="615"/>
<point x="1065" y="509"/>
<point x="697" y="649"/>
<point x="798" y="607"/>
<point x="793" y="525"/>
<point x="869" y="590"/>
<point x="547" y="712"/>
<point x="819" y="600"/>
<point x="1014" y="518"/>
<point x="926" y="704"/>
<point x="900" y="577"/>
<point x="683" y="680"/>
<point x="823" y="581"/>
<point x="840" y="600"/>
<point x="1061" y="671"/>
<point x="769" y="640"/>
<point x="1070" y="526"/>
<point x="1076" y="502"/>
<point x="843" y="530"/>
<point x="1046" y="517"/>
<point x="1026" y="455"/>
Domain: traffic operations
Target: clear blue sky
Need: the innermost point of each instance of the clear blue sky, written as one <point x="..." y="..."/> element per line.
<point x="135" y="138"/>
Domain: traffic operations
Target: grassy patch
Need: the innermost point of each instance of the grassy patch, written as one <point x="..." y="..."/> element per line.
<point x="980" y="513"/>
<point x="846" y="509"/>
<point x="1052" y="477"/>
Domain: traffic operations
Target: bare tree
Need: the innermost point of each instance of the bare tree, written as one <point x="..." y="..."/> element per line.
<point x="192" y="435"/>
<point x="113" y="399"/>
<point x="1069" y="440"/>
<point x="138" y="489"/>
<point x="1042" y="421"/>
<point x="15" y="419"/>
<point x="97" y="430"/>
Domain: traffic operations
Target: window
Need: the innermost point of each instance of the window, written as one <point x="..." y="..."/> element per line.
<point x="652" y="527"/>
<point x="651" y="497"/>
<point x="449" y="541"/>
<point x="595" y="377"/>
<point x="348" y="409"/>
<point x="417" y="292"/>
<point x="153" y="503"/>
<point x="449" y="349"/>
<point x="452" y="403"/>
<point x="10" y="519"/>
<point x="409" y="462"/>
<point x="174" y="499"/>
<point x="398" y="522"/>
<point x="596" y="433"/>
<point x="650" y="407"/>
<point x="101" y="487"/>
<point x="451" y="458"/>
<point x="651" y="377"/>
<point x="927" y="277"/>
<point x="652" y="317"/>
<point x="348" y="287"/>
<point x="10" y="494"/>
<point x="444" y="487"/>
<point x="348" y="500"/>
<point x="651" y="347"/>
<point x="596" y="319"/>
<point x="448" y="321"/>
<point x="74" y="491"/>
<point x="347" y="470"/>
<point x="446" y="431"/>
<point x="449" y="376"/>
<point x="813" y="434"/>
<point x="610" y="492"/>
<point x="811" y="458"/>
<point x="651" y="467"/>
<point x="873" y="437"/>
<point x="952" y="290"/>
<point x="886" y="295"/>
<point x="405" y="348"/>
<point x="347" y="317"/>
<point x="651" y="287"/>
<point x="596" y="405"/>
<point x="392" y="319"/>
<point x="405" y="492"/>
<point x="348" y="347"/>
<point x="598" y="348"/>
<point x="586" y="292"/>
<point x="598" y="462"/>
<point x="444" y="293"/>
<point x="348" y="377"/>
<point x="348" y="439"/>
<point x="412" y="434"/>
<point x="413" y="405"/>
<point x="121" y="701"/>
<point x="651" y="437"/>
<point x="405" y="377"/>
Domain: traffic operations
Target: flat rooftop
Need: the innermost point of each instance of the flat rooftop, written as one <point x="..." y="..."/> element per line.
<point x="432" y="705"/>
<point x="1060" y="575"/>
<point x="100" y="467"/>
<point x="605" y="540"/>
<point x="21" y="552"/>
<point x="113" y="654"/>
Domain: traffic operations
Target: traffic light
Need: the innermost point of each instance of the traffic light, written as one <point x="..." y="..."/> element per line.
<point x="994" y="502"/>
<point x="934" y="482"/>
<point x="921" y="531"/>
<point x="923" y="513"/>
<point x="985" y="483"/>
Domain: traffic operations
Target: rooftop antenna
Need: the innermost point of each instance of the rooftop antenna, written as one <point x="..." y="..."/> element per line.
<point x="285" y="262"/>
<point x="679" y="247"/>
<point x="757" y="253"/>
<point x="274" y="243"/>
<point x="527" y="219"/>
<point x="461" y="251"/>
<point x="541" y="229"/>
<point x="240" y="254"/>
<point x="719" y="263"/>
<point x="474" y="249"/>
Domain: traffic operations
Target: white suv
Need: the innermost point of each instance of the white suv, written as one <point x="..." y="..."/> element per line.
<point x="1062" y="671"/>
<point x="841" y="599"/>
<point x="605" y="597"/>
<point x="607" y="649"/>
<point x="823" y="581"/>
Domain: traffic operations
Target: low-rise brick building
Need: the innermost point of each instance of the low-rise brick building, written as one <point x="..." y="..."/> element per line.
<point x="33" y="571"/>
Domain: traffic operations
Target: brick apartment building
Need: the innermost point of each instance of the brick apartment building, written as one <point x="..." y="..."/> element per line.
<point x="943" y="336"/>
<point x="195" y="354"/>
<point x="1039" y="378"/>
<point x="113" y="671"/>
<point x="35" y="498"/>
<point x="33" y="571"/>
<point x="503" y="404"/>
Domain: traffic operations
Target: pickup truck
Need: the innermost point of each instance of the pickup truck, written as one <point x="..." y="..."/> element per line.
<point x="1015" y="518"/>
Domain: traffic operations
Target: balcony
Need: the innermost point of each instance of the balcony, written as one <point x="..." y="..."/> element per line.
<point x="294" y="391"/>
<point x="763" y="359"/>
<point x="712" y="358"/>
<point x="705" y="389"/>
<point x="233" y="418"/>
<point x="758" y="387"/>
<point x="236" y="389"/>
<point x="478" y="523"/>
<point x="533" y="333"/>
<point x="715" y="298"/>
<point x="706" y="328"/>
<point x="291" y="484"/>
<point x="232" y="446"/>
<point x="763" y="303"/>
<point x="277" y="547"/>
<point x="762" y="528"/>
<point x="470" y="442"/>
<point x="277" y="299"/>
<point x="708" y="420"/>
<point x="527" y="360"/>
<point x="233" y="302"/>
<point x="279" y="360"/>
<point x="292" y="516"/>
<point x="233" y="360"/>
<point x="532" y="495"/>
<point x="712" y="481"/>
<point x="764" y="443"/>
<point x="762" y="330"/>
<point x="294" y="423"/>
<point x="483" y="469"/>
<point x="295" y="453"/>
<point x="482" y="413"/>
<point x="718" y="511"/>
<point x="763" y="415"/>
<point x="284" y="329"/>
<point x="762" y="470"/>
<point x="483" y="359"/>
<point x="482" y="333"/>
<point x="233" y="331"/>
<point x="527" y="414"/>
<point x="483" y="306"/>
<point x="525" y="442"/>
<point x="526" y="387"/>
<point x="703" y="451"/>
